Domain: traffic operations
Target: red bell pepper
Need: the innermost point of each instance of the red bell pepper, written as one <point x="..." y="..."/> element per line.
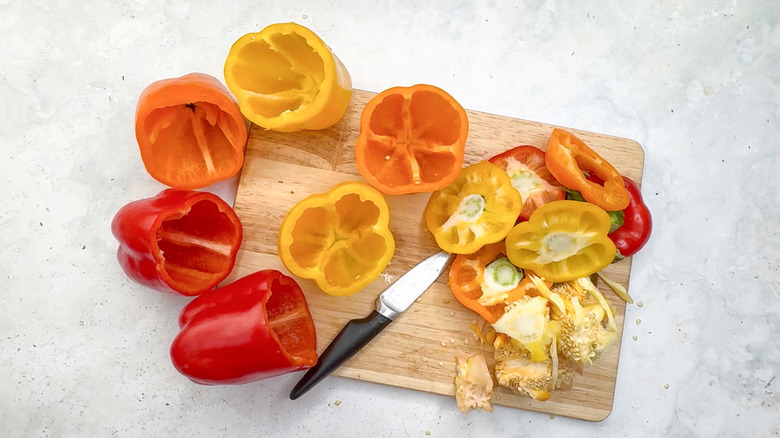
<point x="530" y="176"/>
<point x="254" y="328"/>
<point x="637" y="224"/>
<point x="178" y="241"/>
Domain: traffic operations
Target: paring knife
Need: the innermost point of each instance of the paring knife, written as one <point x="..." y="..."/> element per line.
<point x="359" y="332"/>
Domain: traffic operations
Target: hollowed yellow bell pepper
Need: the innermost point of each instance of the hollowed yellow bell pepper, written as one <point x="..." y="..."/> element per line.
<point x="478" y="208"/>
<point x="340" y="239"/>
<point x="562" y="241"/>
<point x="286" y="79"/>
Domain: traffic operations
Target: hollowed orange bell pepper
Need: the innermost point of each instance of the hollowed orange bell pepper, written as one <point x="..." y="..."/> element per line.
<point x="562" y="241"/>
<point x="567" y="157"/>
<point x="340" y="239"/>
<point x="190" y="131"/>
<point x="478" y="208"/>
<point x="287" y="79"/>
<point x="411" y="140"/>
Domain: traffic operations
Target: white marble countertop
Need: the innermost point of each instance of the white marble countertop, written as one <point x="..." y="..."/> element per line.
<point x="84" y="351"/>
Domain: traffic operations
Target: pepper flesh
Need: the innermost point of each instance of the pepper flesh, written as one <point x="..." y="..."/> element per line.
<point x="530" y="176"/>
<point x="562" y="241"/>
<point x="478" y="208"/>
<point x="254" y="328"/>
<point x="340" y="239"/>
<point x="287" y="79"/>
<point x="567" y="157"/>
<point x="190" y="131"/>
<point x="411" y="140"/>
<point x="178" y="241"/>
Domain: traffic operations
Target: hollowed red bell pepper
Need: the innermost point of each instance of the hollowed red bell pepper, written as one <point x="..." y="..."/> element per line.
<point x="254" y="328"/>
<point x="178" y="241"/>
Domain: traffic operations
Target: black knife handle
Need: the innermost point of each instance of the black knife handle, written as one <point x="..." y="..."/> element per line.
<point x="355" y="334"/>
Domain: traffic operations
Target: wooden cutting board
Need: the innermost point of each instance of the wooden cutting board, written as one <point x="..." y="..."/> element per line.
<point x="418" y="349"/>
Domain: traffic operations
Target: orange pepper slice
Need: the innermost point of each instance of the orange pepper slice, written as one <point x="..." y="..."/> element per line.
<point x="286" y="79"/>
<point x="190" y="131"/>
<point x="567" y="157"/>
<point x="411" y="140"/>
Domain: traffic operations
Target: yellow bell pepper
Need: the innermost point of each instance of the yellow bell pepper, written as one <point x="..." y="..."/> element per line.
<point x="285" y="78"/>
<point x="340" y="239"/>
<point x="478" y="208"/>
<point x="562" y="241"/>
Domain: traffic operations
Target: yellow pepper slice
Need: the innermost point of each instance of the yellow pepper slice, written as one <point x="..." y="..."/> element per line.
<point x="285" y="78"/>
<point x="340" y="239"/>
<point x="562" y="241"/>
<point x="478" y="208"/>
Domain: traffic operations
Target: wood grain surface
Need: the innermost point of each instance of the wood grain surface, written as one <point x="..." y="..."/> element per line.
<point x="418" y="350"/>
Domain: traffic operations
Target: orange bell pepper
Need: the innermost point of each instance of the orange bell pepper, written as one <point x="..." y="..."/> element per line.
<point x="485" y="282"/>
<point x="411" y="140"/>
<point x="286" y="79"/>
<point x="190" y="131"/>
<point x="567" y="157"/>
<point x="340" y="239"/>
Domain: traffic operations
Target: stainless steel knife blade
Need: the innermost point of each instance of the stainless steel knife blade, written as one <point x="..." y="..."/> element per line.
<point x="359" y="332"/>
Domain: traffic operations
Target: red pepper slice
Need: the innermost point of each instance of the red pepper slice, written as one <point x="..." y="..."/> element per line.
<point x="254" y="328"/>
<point x="178" y="241"/>
<point x="530" y="176"/>
<point x="568" y="158"/>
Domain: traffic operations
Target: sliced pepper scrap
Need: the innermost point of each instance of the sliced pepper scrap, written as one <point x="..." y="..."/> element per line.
<point x="478" y="208"/>
<point x="567" y="157"/>
<point x="340" y="239"/>
<point x="287" y="79"/>
<point x="411" y="140"/>
<point x="562" y="241"/>
<point x="469" y="285"/>
<point x="190" y="131"/>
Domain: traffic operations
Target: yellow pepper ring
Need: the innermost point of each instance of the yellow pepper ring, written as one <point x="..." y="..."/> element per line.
<point x="562" y="241"/>
<point x="478" y="208"/>
<point x="285" y="78"/>
<point x="340" y="239"/>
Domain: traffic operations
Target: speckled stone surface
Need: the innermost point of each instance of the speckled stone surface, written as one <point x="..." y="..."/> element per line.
<point x="84" y="351"/>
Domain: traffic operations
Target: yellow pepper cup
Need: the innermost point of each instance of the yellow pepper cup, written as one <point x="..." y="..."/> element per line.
<point x="285" y="78"/>
<point x="340" y="239"/>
